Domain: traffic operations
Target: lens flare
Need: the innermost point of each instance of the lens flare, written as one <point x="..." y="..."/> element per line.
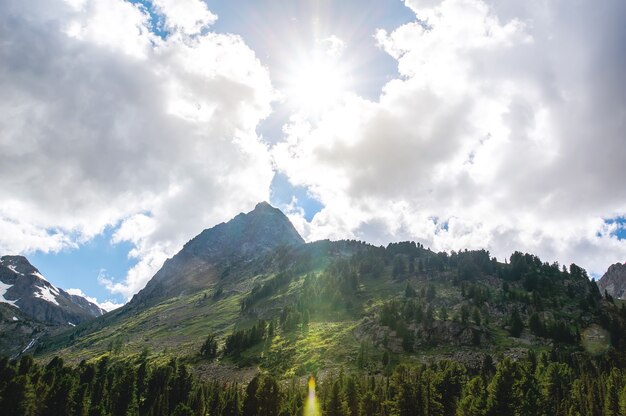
<point x="311" y="407"/>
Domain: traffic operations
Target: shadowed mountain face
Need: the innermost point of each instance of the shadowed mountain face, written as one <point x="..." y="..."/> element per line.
<point x="22" y="286"/>
<point x="216" y="252"/>
<point x="614" y="281"/>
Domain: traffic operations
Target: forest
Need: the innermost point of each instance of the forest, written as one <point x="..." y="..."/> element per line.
<point x="525" y="320"/>
<point x="553" y="383"/>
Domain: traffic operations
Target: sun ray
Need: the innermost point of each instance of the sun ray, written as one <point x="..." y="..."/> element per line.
<point x="317" y="79"/>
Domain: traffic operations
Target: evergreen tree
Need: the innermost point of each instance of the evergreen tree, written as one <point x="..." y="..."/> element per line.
<point x="516" y="326"/>
<point x="336" y="404"/>
<point x="352" y="397"/>
<point x="503" y="399"/>
<point x="209" y="348"/>
<point x="268" y="397"/>
<point x="370" y="404"/>
<point x="251" y="403"/>
<point x="611" y="401"/>
<point x="622" y="401"/>
<point x="474" y="398"/>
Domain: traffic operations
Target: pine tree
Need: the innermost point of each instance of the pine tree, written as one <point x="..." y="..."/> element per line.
<point x="515" y="324"/>
<point x="611" y="400"/>
<point x="209" y="348"/>
<point x="502" y="397"/>
<point x="251" y="403"/>
<point x="622" y="401"/>
<point x="352" y="397"/>
<point x="268" y="397"/>
<point x="473" y="399"/>
<point x="336" y="404"/>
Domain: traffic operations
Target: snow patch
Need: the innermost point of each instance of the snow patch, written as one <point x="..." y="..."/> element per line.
<point x="48" y="293"/>
<point x="14" y="270"/>
<point x="39" y="275"/>
<point x="3" y="289"/>
<point x="30" y="344"/>
<point x="15" y="318"/>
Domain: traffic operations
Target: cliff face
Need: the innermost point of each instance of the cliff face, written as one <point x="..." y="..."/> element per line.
<point x="614" y="281"/>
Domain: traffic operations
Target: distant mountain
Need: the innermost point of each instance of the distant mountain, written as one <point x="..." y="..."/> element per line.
<point x="219" y="252"/>
<point x="23" y="287"/>
<point x="614" y="281"/>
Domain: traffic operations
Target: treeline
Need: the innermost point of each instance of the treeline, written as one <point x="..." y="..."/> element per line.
<point x="551" y="384"/>
<point x="243" y="339"/>
<point x="267" y="289"/>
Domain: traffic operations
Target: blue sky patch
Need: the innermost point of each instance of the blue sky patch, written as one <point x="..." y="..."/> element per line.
<point x="79" y="268"/>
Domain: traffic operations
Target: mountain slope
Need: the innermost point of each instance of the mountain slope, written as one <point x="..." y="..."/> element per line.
<point x="22" y="286"/>
<point x="217" y="252"/>
<point x="614" y="281"/>
<point x="324" y="305"/>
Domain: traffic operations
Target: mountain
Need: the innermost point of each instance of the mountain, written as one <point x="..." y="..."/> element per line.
<point x="23" y="287"/>
<point x="31" y="308"/>
<point x="269" y="301"/>
<point x="385" y="330"/>
<point x="614" y="281"/>
<point x="221" y="251"/>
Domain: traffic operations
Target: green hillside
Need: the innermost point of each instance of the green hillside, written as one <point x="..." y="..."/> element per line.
<point x="330" y="305"/>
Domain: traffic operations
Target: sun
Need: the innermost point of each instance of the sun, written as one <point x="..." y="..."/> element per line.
<point x="315" y="81"/>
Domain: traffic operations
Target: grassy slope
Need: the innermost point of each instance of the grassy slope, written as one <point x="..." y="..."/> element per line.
<point x="178" y="327"/>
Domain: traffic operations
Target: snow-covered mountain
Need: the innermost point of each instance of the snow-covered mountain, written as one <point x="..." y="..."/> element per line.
<point x="23" y="287"/>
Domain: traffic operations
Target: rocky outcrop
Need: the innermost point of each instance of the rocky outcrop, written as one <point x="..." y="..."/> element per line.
<point x="614" y="281"/>
<point x="213" y="254"/>
<point x="23" y="287"/>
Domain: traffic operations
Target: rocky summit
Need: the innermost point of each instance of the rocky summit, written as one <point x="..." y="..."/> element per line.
<point x="221" y="251"/>
<point x="614" y="281"/>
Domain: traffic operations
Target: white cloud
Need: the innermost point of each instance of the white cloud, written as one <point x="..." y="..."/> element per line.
<point x="101" y="126"/>
<point x="504" y="130"/>
<point x="332" y="46"/>
<point x="107" y="305"/>
<point x="189" y="16"/>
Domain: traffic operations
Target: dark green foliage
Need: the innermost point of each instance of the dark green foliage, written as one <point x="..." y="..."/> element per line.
<point x="455" y="301"/>
<point x="399" y="266"/>
<point x="209" y="348"/>
<point x="551" y="384"/>
<point x="516" y="326"/>
<point x="243" y="339"/>
<point x="269" y="288"/>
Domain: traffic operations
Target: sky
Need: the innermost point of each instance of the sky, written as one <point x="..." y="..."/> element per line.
<point x="130" y="126"/>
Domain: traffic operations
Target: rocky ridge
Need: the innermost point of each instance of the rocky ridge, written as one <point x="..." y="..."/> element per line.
<point x="217" y="252"/>
<point x="614" y="281"/>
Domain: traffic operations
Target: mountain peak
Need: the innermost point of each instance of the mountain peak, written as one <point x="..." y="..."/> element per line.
<point x="18" y="264"/>
<point x="208" y="256"/>
<point x="23" y="287"/>
<point x="265" y="227"/>
<point x="614" y="281"/>
<point x="263" y="205"/>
